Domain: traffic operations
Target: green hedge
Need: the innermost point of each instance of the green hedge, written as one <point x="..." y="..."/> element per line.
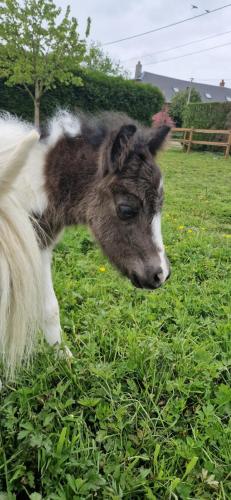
<point x="99" y="92"/>
<point x="208" y="115"/>
<point x="216" y="115"/>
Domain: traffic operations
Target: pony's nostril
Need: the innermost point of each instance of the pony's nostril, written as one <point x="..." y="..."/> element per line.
<point x="158" y="277"/>
<point x="156" y="281"/>
<point x="152" y="279"/>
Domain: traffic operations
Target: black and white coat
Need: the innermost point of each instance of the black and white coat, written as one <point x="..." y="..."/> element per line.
<point x="78" y="167"/>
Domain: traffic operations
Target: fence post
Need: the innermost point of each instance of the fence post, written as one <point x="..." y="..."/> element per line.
<point x="190" y="140"/>
<point x="228" y="145"/>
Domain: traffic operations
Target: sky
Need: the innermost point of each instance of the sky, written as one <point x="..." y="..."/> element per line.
<point x="115" y="19"/>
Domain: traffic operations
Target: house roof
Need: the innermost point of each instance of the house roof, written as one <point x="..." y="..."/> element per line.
<point x="170" y="86"/>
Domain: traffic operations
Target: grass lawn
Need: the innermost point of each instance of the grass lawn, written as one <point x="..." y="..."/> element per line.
<point x="143" y="410"/>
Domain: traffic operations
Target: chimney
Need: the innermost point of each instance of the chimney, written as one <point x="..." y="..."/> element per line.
<point x="222" y="83"/>
<point x="138" y="72"/>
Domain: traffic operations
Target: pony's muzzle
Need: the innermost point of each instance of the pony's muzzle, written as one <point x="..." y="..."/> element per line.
<point x="152" y="279"/>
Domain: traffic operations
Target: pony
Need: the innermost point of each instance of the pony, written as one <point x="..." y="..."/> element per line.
<point x="99" y="171"/>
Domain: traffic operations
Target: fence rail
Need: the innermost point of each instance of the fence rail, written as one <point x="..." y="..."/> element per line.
<point x="188" y="140"/>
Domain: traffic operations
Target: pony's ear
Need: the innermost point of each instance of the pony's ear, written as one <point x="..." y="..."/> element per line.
<point x="157" y="138"/>
<point x="121" y="147"/>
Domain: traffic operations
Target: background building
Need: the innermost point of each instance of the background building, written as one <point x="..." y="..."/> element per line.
<point x="171" y="86"/>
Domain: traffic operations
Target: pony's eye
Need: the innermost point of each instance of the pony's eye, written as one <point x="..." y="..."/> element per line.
<point x="126" y="212"/>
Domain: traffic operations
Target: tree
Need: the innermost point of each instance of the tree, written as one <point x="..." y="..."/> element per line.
<point x="179" y="102"/>
<point x="37" y="51"/>
<point x="97" y="60"/>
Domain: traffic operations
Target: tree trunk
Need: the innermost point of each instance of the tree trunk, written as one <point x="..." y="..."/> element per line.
<point x="37" y="113"/>
<point x="37" y="106"/>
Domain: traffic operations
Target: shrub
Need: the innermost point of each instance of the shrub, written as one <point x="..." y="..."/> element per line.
<point x="179" y="104"/>
<point x="215" y="115"/>
<point x="99" y="92"/>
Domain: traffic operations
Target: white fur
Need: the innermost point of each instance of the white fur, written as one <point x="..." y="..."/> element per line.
<point x="63" y="123"/>
<point x="12" y="131"/>
<point x="20" y="263"/>
<point x="51" y="321"/>
<point x="29" y="187"/>
<point x="158" y="241"/>
<point x="161" y="185"/>
<point x="12" y="162"/>
<point x="27" y="298"/>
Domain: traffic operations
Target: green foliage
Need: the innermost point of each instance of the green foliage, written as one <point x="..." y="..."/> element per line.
<point x="98" y="92"/>
<point x="37" y="49"/>
<point x="228" y="120"/>
<point x="143" y="411"/>
<point x="179" y="103"/>
<point x="97" y="60"/>
<point x="215" y="115"/>
<point x="43" y="56"/>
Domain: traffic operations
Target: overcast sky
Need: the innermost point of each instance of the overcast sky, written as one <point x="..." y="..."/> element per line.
<point x="114" y="19"/>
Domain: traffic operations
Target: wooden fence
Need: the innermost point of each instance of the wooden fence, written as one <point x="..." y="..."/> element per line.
<point x="188" y="140"/>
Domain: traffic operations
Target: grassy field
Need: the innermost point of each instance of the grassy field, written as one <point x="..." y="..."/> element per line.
<point x="143" y="410"/>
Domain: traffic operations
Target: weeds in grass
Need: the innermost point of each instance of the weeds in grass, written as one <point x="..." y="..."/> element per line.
<point x="144" y="409"/>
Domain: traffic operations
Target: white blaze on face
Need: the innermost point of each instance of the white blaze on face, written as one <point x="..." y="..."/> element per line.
<point x="161" y="185"/>
<point x="158" y="241"/>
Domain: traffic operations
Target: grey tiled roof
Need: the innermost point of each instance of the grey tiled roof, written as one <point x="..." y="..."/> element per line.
<point x="167" y="86"/>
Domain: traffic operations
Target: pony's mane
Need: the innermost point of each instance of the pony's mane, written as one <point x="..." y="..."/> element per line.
<point x="94" y="128"/>
<point x="20" y="266"/>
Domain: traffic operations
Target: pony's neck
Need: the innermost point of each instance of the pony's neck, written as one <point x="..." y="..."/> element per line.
<point x="70" y="180"/>
<point x="70" y="172"/>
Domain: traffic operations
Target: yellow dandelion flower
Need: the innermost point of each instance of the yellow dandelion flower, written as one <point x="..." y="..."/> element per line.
<point x="190" y="231"/>
<point x="227" y="235"/>
<point x="180" y="228"/>
<point x="102" y="269"/>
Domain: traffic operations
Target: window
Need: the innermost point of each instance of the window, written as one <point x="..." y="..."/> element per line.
<point x="208" y="95"/>
<point x="228" y="98"/>
<point x="176" y="89"/>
